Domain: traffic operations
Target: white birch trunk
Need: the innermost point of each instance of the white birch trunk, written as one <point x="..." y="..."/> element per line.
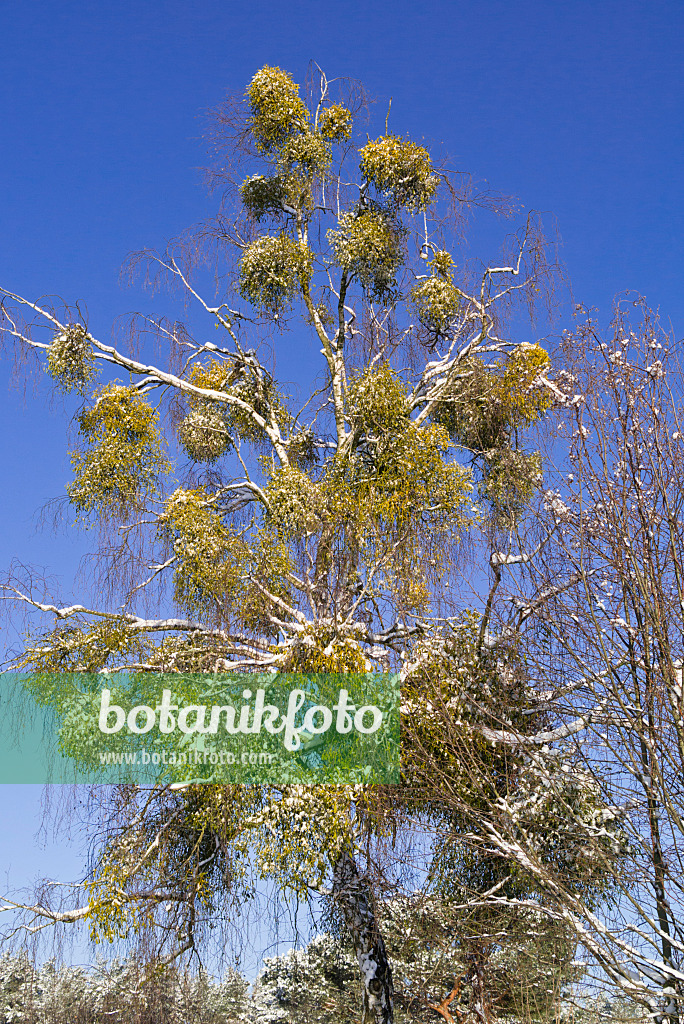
<point x="353" y="896"/>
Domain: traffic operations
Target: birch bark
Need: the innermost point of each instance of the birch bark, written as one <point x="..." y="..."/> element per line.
<point x="352" y="892"/>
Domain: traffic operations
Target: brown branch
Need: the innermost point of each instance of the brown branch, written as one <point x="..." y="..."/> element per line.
<point x="443" y="1008"/>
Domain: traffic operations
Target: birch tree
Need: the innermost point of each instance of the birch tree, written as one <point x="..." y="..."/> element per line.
<point x="240" y="529"/>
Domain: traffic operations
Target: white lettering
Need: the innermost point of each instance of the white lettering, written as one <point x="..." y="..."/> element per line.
<point x="359" y="717"/>
<point x="107" y="709"/>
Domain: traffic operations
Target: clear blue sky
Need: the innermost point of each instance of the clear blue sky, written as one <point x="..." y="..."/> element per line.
<point x="575" y="107"/>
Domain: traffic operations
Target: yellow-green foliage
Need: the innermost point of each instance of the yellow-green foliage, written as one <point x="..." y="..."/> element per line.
<point x="401" y="470"/>
<point x="453" y="686"/>
<point x="321" y="649"/>
<point x="308" y="154"/>
<point x="380" y="499"/>
<point x="397" y="482"/>
<point x="270" y="565"/>
<point x="301" y="449"/>
<point x="122" y="458"/>
<point x="368" y="246"/>
<point x="395" y="495"/>
<point x="300" y="156"/>
<point x="70" y="358"/>
<point x="378" y="401"/>
<point x="192" y="522"/>
<point x="481" y="408"/>
<point x="520" y="385"/>
<point x="203" y="434"/>
<point x="436" y="299"/>
<point x="436" y="302"/>
<point x="510" y="478"/>
<point x="262" y="195"/>
<point x="274" y="270"/>
<point x="262" y="395"/>
<point x="442" y="264"/>
<point x="295" y="502"/>
<point x="408" y="585"/>
<point x="277" y="109"/>
<point x="112" y="913"/>
<point x="296" y="832"/>
<point x="216" y="375"/>
<point x="82" y="648"/>
<point x="300" y="833"/>
<point x="335" y="123"/>
<point x="207" y="431"/>
<point x="211" y="556"/>
<point x="186" y="653"/>
<point x="400" y="170"/>
<point x="400" y="482"/>
<point x="152" y="849"/>
<point x="416" y="501"/>
<point x="415" y="481"/>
